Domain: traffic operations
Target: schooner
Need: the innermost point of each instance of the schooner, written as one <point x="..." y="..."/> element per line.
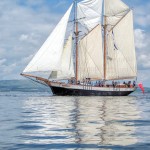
<point x="98" y="57"/>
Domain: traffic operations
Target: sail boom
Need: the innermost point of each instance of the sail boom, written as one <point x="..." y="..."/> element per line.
<point x="36" y="77"/>
<point x="123" y="78"/>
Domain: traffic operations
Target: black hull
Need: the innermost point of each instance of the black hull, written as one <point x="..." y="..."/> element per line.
<point x="80" y="92"/>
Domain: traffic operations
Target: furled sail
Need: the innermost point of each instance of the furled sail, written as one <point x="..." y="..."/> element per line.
<point x="91" y="55"/>
<point x="48" y="58"/>
<point x="89" y="13"/>
<point x="67" y="67"/>
<point x="121" y="58"/>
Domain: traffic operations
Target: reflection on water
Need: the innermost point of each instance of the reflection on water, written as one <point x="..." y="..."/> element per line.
<point x="78" y="122"/>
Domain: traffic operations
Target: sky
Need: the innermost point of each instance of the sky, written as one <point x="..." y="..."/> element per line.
<point x="26" y="24"/>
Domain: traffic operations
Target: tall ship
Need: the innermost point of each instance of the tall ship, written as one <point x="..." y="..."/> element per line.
<point x="91" y="51"/>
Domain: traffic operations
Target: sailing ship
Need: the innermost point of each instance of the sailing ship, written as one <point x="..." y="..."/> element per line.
<point x="98" y="57"/>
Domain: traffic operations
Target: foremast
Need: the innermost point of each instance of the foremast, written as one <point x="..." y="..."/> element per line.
<point x="76" y="32"/>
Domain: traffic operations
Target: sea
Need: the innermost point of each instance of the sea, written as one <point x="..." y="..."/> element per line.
<point x="32" y="119"/>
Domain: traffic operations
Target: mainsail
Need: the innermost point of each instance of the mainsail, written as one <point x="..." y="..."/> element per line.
<point x="48" y="58"/>
<point x="121" y="58"/>
<point x="90" y="55"/>
<point x="89" y="13"/>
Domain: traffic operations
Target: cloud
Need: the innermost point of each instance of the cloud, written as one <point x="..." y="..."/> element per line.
<point x="34" y="3"/>
<point x="142" y="16"/>
<point x="142" y="43"/>
<point x="23" y="37"/>
<point x="26" y="60"/>
<point x="61" y="3"/>
<point x="2" y="61"/>
<point x="143" y="20"/>
<point x="140" y="37"/>
<point x="143" y="76"/>
<point x="25" y="26"/>
<point x="144" y="61"/>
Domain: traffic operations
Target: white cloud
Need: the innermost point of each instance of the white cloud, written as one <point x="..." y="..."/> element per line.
<point x="143" y="20"/>
<point x="2" y="52"/>
<point x="142" y="16"/>
<point x="140" y="37"/>
<point x="143" y="76"/>
<point x="2" y="61"/>
<point x="144" y="61"/>
<point x="142" y="43"/>
<point x="23" y="37"/>
<point x="24" y="27"/>
<point x="7" y="69"/>
<point x="26" y="59"/>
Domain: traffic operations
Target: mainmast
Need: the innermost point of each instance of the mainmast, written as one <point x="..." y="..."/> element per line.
<point x="105" y="45"/>
<point x="105" y="52"/>
<point x="76" y="38"/>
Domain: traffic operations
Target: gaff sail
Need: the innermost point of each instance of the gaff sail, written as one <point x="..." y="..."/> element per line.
<point x="121" y="57"/>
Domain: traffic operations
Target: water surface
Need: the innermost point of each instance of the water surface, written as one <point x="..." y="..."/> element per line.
<point x="36" y="120"/>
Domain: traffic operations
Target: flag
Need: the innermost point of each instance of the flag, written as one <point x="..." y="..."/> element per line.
<point x="141" y="87"/>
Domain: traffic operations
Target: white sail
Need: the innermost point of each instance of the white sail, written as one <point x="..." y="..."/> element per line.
<point x="89" y="13"/>
<point x="91" y="56"/>
<point x="114" y="10"/>
<point x="121" y="58"/>
<point x="48" y="58"/>
<point x="67" y="67"/>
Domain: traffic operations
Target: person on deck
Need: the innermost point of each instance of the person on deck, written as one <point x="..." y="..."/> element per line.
<point x="129" y="84"/>
<point x="134" y="83"/>
<point x="99" y="84"/>
<point x="113" y="84"/>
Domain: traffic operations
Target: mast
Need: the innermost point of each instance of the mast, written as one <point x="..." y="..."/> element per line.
<point x="76" y="38"/>
<point x="105" y="52"/>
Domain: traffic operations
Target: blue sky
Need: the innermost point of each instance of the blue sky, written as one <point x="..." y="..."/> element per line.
<point x="25" y="25"/>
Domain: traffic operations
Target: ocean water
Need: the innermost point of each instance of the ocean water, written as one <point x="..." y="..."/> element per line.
<point x="32" y="119"/>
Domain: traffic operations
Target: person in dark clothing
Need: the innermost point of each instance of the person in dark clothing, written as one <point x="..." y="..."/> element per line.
<point x="113" y="84"/>
<point x="116" y="84"/>
<point x="99" y="83"/>
<point x="129" y="83"/>
<point x="134" y="83"/>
